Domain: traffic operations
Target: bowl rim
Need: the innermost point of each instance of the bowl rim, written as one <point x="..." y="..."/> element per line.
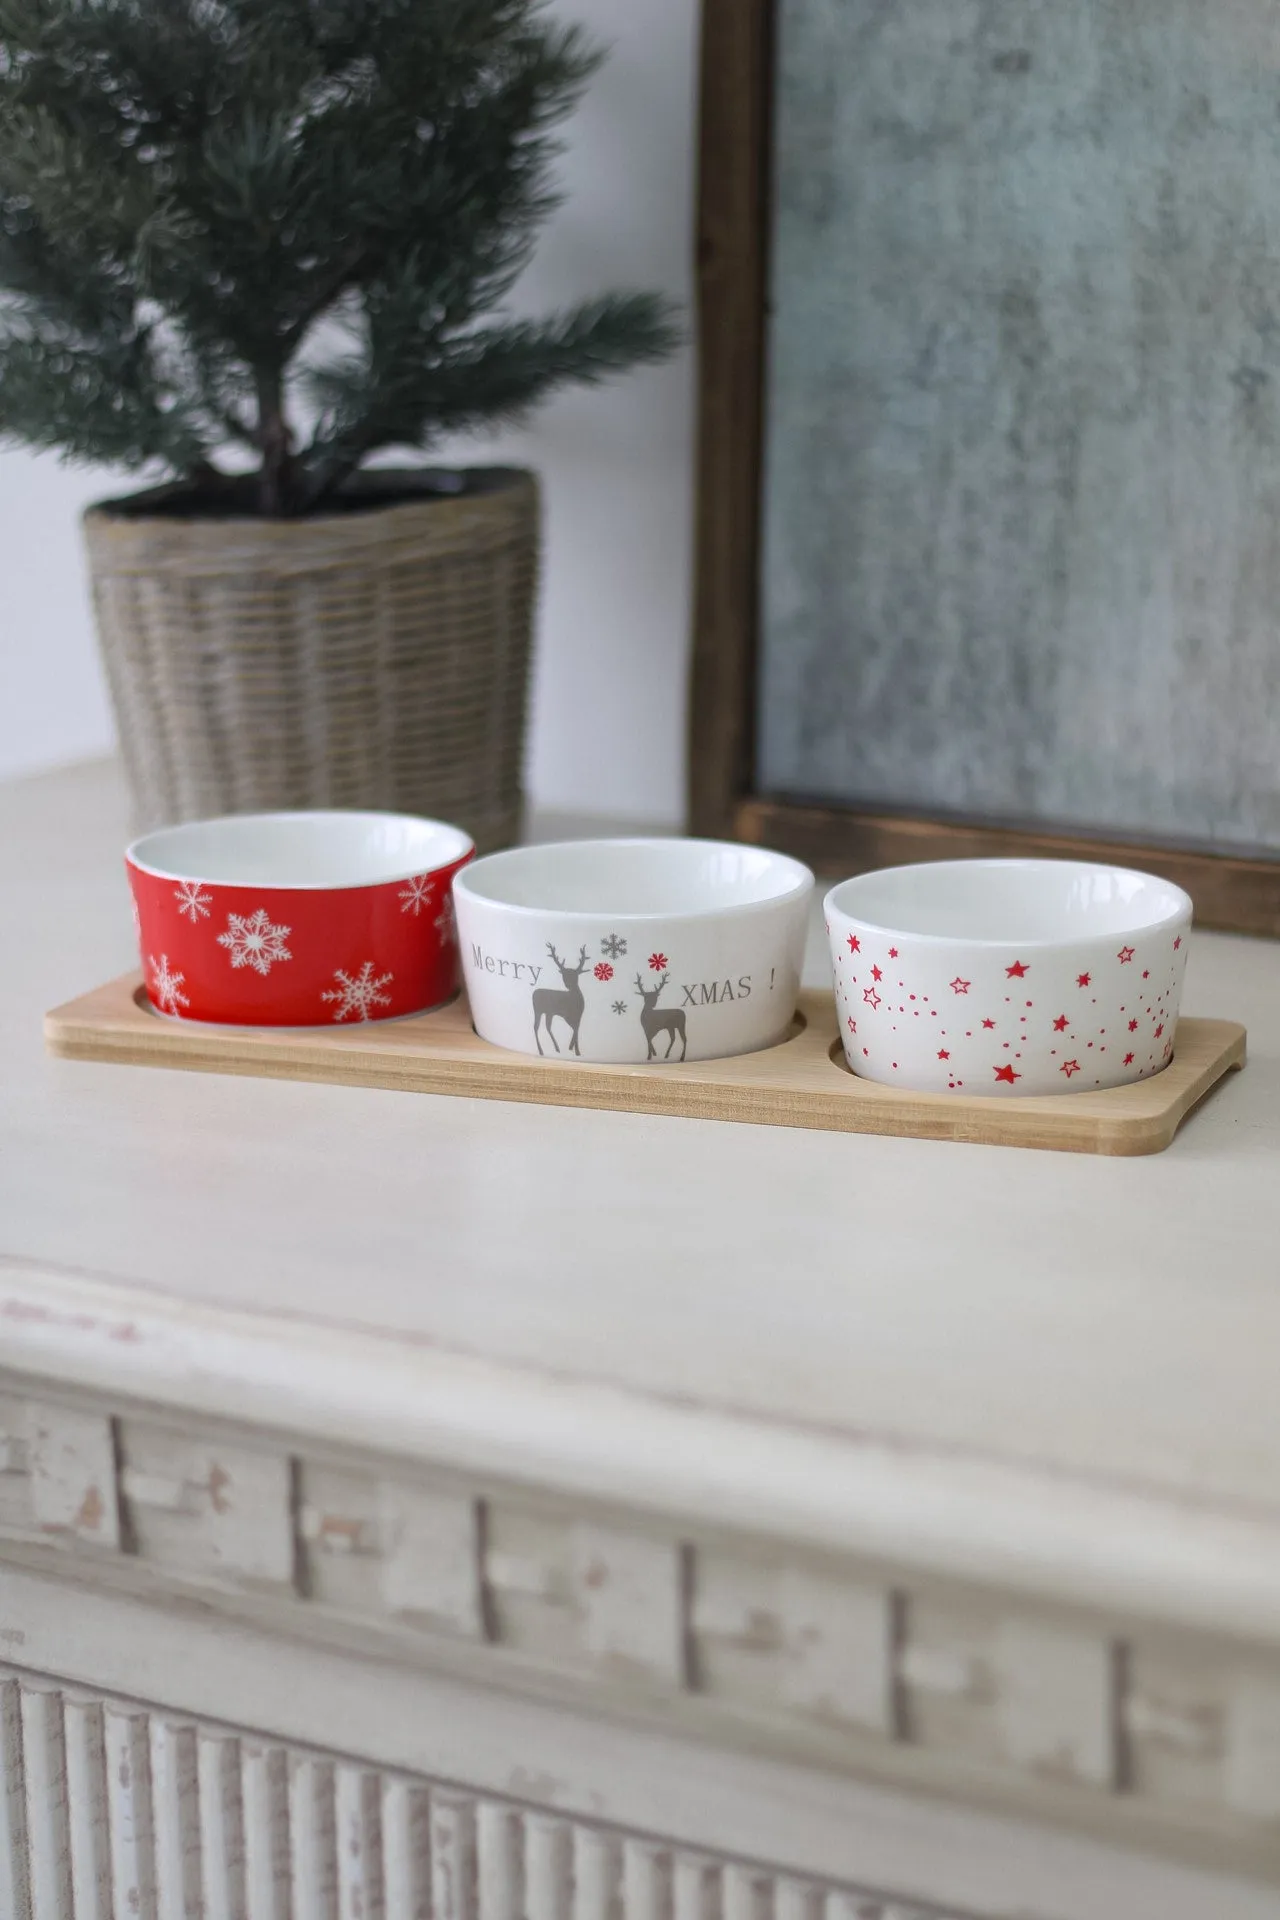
<point x="802" y="885"/>
<point x="1182" y="914"/>
<point x="466" y="848"/>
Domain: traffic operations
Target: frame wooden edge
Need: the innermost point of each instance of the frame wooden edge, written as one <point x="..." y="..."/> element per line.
<point x="732" y="242"/>
<point x="1238" y="894"/>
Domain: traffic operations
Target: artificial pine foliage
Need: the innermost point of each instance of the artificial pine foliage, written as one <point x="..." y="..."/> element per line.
<point x="190" y="188"/>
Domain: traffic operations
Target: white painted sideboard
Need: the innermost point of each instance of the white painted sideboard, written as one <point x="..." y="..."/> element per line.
<point x="420" y="1507"/>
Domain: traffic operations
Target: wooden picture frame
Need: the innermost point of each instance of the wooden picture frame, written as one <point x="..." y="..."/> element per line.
<point x="1233" y="890"/>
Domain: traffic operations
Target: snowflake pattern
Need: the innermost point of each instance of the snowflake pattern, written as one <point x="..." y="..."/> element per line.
<point x="620" y="1006"/>
<point x="192" y="900"/>
<point x="613" y="946"/>
<point x="356" y="995"/>
<point x="657" y="962"/>
<point x="166" y="985"/>
<point x="416" y="894"/>
<point x="603" y="970"/>
<point x="446" y="921"/>
<point x="253" y="941"/>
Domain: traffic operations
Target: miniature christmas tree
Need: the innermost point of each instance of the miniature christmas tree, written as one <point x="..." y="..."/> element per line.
<point x="221" y="218"/>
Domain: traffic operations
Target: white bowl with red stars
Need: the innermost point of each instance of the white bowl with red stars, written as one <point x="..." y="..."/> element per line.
<point x="1007" y="977"/>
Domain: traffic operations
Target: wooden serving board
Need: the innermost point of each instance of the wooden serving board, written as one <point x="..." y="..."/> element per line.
<point x="801" y="1083"/>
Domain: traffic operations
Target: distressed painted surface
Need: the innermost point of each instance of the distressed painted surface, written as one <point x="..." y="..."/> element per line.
<point x="69" y="1459"/>
<point x="1023" y="498"/>
<point x="630" y="1594"/>
<point x="839" y="1656"/>
<point x="585" y="1595"/>
<point x="1019" y="1692"/>
<point x="198" y="1507"/>
<point x="1198" y="1727"/>
<point x="766" y="1632"/>
<point x="375" y="1546"/>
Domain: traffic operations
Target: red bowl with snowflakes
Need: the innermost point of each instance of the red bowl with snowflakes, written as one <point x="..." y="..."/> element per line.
<point x="298" y="919"/>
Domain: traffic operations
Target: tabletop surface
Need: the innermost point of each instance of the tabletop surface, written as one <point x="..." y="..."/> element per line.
<point x="1110" y="1323"/>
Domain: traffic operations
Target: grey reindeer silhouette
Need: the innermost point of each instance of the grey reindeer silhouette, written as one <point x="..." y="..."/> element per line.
<point x="653" y="1019"/>
<point x="567" y="1001"/>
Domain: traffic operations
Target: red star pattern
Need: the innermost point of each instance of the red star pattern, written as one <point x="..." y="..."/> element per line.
<point x="1102" y="1015"/>
<point x="1177" y="943"/>
<point x="657" y="961"/>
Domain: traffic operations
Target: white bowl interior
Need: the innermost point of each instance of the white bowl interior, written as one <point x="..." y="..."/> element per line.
<point x="622" y="879"/>
<point x="311" y="850"/>
<point x="1027" y="902"/>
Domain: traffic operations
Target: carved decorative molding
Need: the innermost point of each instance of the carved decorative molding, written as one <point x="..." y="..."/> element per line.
<point x="114" y="1811"/>
<point x="835" y="1660"/>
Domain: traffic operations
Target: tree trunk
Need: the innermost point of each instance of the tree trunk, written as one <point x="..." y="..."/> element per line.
<point x="275" y="480"/>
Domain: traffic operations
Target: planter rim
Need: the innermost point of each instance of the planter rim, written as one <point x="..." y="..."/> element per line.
<point x="121" y="511"/>
<point x="121" y="541"/>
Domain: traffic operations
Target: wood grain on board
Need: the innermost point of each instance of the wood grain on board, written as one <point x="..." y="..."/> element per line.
<point x="800" y="1083"/>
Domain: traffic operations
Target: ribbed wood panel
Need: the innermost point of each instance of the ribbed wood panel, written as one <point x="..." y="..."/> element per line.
<point x="112" y="1811"/>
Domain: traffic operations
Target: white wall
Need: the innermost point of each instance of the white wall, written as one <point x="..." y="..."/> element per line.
<point x="607" y="733"/>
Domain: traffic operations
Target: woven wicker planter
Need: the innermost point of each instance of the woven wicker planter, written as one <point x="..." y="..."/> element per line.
<point x="370" y="658"/>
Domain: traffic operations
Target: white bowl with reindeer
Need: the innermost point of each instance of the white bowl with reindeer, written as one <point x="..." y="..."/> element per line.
<point x="633" y="951"/>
